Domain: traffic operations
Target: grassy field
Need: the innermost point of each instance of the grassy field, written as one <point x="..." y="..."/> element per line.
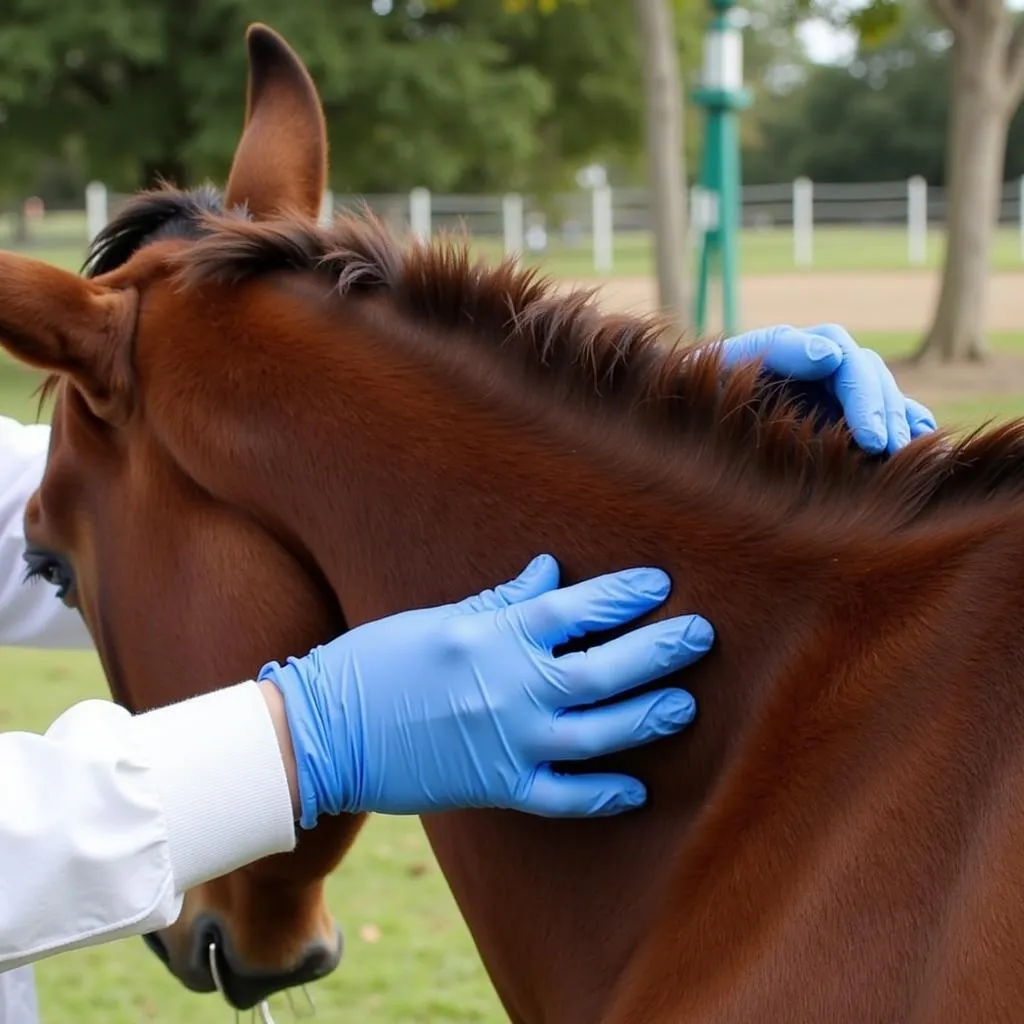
<point x="771" y="251"/>
<point x="60" y="239"/>
<point x="409" y="957"/>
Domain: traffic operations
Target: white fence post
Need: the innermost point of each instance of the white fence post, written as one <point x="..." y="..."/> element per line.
<point x="803" y="222"/>
<point x="512" y="223"/>
<point x="693" y="229"/>
<point x="601" y="214"/>
<point x="917" y="220"/>
<point x="327" y="208"/>
<point x="419" y="213"/>
<point x="95" y="208"/>
<point x="700" y="215"/>
<point x="1020" y="214"/>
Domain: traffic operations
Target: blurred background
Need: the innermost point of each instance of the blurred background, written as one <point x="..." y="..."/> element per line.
<point x="880" y="185"/>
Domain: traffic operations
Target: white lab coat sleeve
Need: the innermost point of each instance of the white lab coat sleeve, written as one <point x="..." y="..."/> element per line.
<point x="108" y="818"/>
<point x="30" y="613"/>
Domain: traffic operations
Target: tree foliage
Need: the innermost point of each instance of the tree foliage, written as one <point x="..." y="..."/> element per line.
<point x="872" y="21"/>
<point x="882" y="117"/>
<point x="450" y="94"/>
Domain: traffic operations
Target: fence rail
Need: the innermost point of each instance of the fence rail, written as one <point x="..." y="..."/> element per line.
<point x="593" y="221"/>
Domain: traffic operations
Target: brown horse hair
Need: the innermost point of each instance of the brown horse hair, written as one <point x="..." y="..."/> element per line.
<point x="563" y="342"/>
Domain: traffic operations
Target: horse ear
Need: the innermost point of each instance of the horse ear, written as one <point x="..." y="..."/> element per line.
<point x="281" y="159"/>
<point x="66" y="324"/>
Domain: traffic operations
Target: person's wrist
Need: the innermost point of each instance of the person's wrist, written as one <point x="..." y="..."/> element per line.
<point x="323" y="757"/>
<point x="275" y="706"/>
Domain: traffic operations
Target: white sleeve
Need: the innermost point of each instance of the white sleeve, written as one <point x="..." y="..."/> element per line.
<point x="30" y="614"/>
<point x="107" y="818"/>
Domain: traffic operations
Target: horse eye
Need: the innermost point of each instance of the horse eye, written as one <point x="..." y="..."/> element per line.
<point x="50" y="568"/>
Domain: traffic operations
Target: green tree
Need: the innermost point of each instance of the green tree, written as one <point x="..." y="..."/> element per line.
<point x="986" y="84"/>
<point x="591" y="54"/>
<point x="452" y="94"/>
<point x="155" y="87"/>
<point x="881" y="118"/>
<point x="661" y="31"/>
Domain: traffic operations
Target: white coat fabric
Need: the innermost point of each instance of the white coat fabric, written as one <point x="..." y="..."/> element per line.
<point x="108" y="818"/>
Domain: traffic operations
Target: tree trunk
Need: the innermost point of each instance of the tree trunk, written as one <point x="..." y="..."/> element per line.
<point x="665" y="156"/>
<point x="985" y="94"/>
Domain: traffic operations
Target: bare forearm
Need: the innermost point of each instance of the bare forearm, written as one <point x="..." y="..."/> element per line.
<point x="275" y="705"/>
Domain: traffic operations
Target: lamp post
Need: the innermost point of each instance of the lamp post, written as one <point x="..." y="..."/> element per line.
<point x="722" y="96"/>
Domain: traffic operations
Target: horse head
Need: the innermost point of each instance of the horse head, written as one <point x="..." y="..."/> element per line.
<point x="133" y="544"/>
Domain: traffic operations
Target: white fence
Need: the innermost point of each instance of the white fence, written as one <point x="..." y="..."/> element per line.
<point x="600" y="222"/>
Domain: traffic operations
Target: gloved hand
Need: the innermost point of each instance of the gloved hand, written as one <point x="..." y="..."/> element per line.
<point x="847" y="380"/>
<point x="464" y="705"/>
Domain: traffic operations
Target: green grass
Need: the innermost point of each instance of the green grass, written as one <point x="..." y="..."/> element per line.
<point x="422" y="968"/>
<point x="771" y="251"/>
<point x="899" y="344"/>
<point x="767" y="251"/>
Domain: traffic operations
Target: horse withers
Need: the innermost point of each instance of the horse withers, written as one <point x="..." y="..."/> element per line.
<point x="266" y="430"/>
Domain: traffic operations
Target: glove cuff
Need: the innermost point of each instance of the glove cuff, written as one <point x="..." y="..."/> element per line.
<point x="318" y="772"/>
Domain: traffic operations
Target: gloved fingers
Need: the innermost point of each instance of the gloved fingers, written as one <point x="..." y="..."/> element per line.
<point x="578" y="796"/>
<point x="896" y="423"/>
<point x="858" y="389"/>
<point x="922" y="421"/>
<point x="633" y="659"/>
<point x="539" y="577"/>
<point x="594" y="732"/>
<point x="602" y="602"/>
<point x="786" y="351"/>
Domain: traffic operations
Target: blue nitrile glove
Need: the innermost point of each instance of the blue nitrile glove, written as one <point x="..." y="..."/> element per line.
<point x="847" y="380"/>
<point x="464" y="705"/>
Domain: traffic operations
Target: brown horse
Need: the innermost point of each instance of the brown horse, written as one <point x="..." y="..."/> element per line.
<point x="266" y="431"/>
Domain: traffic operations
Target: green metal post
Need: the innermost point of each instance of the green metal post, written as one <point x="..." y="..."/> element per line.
<point x="722" y="96"/>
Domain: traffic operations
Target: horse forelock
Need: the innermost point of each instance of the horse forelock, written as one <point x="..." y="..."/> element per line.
<point x="147" y="217"/>
<point x="564" y="342"/>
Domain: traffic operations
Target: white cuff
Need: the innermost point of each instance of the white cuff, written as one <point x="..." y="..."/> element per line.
<point x="217" y="768"/>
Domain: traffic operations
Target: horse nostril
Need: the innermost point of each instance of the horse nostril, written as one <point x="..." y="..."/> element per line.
<point x="215" y="966"/>
<point x="318" y="961"/>
<point x="207" y="932"/>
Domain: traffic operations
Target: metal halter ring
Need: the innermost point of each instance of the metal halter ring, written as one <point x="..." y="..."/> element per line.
<point x="263" y="1007"/>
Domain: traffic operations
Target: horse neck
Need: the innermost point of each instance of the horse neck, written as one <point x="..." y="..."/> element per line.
<point x="433" y="495"/>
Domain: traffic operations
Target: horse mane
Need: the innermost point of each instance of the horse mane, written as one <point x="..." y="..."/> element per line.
<point x="564" y="343"/>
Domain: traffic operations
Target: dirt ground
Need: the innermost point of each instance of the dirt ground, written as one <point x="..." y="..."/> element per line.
<point x="869" y="301"/>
